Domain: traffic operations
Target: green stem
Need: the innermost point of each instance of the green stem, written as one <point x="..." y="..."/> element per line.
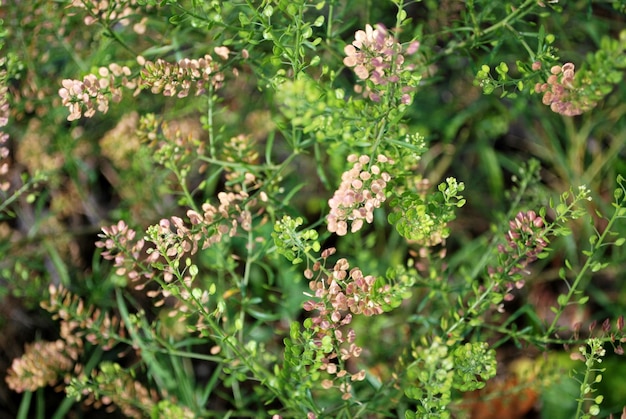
<point x="241" y="353"/>
<point x="524" y="184"/>
<point x="581" y="400"/>
<point x="381" y="127"/>
<point x="106" y="25"/>
<point x="25" y="187"/>
<point x="329" y="23"/>
<point x="590" y="259"/>
<point x="520" y="12"/>
<point x="522" y="41"/>
<point x="243" y="286"/>
<point x="472" y="308"/>
<point x="209" y="119"/>
<point x="182" y="181"/>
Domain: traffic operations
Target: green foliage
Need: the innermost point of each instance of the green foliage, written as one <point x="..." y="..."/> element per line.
<point x="300" y="370"/>
<point x="292" y="244"/>
<point x="424" y="219"/>
<point x="256" y="177"/>
<point x="592" y="354"/>
<point x="433" y="370"/>
<point x="474" y="364"/>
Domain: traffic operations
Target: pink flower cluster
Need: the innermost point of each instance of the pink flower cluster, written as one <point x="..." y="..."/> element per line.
<point x="126" y="253"/>
<point x="94" y="91"/>
<point x="524" y="241"/>
<point x="4" y="137"/>
<point x="178" y="78"/>
<point x="217" y="221"/>
<point x="561" y="93"/>
<point x="42" y="364"/>
<point x="79" y="320"/>
<point x="119" y="12"/>
<point x="172" y="239"/>
<point x="377" y="56"/>
<point x="362" y="190"/>
<point x="345" y="291"/>
<point x="340" y="294"/>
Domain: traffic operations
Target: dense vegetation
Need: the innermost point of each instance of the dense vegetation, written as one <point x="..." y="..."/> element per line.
<point x="312" y="208"/>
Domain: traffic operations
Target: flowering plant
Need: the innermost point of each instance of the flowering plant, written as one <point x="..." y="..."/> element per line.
<point x="312" y="209"/>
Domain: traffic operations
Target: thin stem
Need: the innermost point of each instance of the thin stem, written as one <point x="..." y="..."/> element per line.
<point x="243" y="285"/>
<point x="25" y="187"/>
<point x="240" y="352"/>
<point x="581" y="400"/>
<point x="329" y="23"/>
<point x="590" y="259"/>
<point x="209" y="119"/>
<point x="520" y="12"/>
<point x="381" y="127"/>
<point x="472" y="308"/>
<point x="522" y="41"/>
<point x="182" y="181"/>
<point x="524" y="184"/>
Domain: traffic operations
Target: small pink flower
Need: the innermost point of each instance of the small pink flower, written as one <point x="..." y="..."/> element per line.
<point x="360" y="193"/>
<point x="376" y="56"/>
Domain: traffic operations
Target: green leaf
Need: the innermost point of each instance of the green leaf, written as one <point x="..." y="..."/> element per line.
<point x="243" y="19"/>
<point x="319" y="21"/>
<point x="541" y="36"/>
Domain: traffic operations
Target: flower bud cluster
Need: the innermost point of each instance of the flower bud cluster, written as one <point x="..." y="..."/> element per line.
<point x="222" y="220"/>
<point x="525" y="240"/>
<point x="561" y="93"/>
<point x="126" y="253"/>
<point x="44" y="363"/>
<point x="339" y="295"/>
<point x="118" y="11"/>
<point x="94" y="92"/>
<point x="172" y="241"/>
<point x="41" y="365"/>
<point x="79" y="320"/>
<point x="362" y="190"/>
<point x="4" y="137"/>
<point x="240" y="149"/>
<point x="178" y="78"/>
<point x="119" y="387"/>
<point x="376" y="56"/>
